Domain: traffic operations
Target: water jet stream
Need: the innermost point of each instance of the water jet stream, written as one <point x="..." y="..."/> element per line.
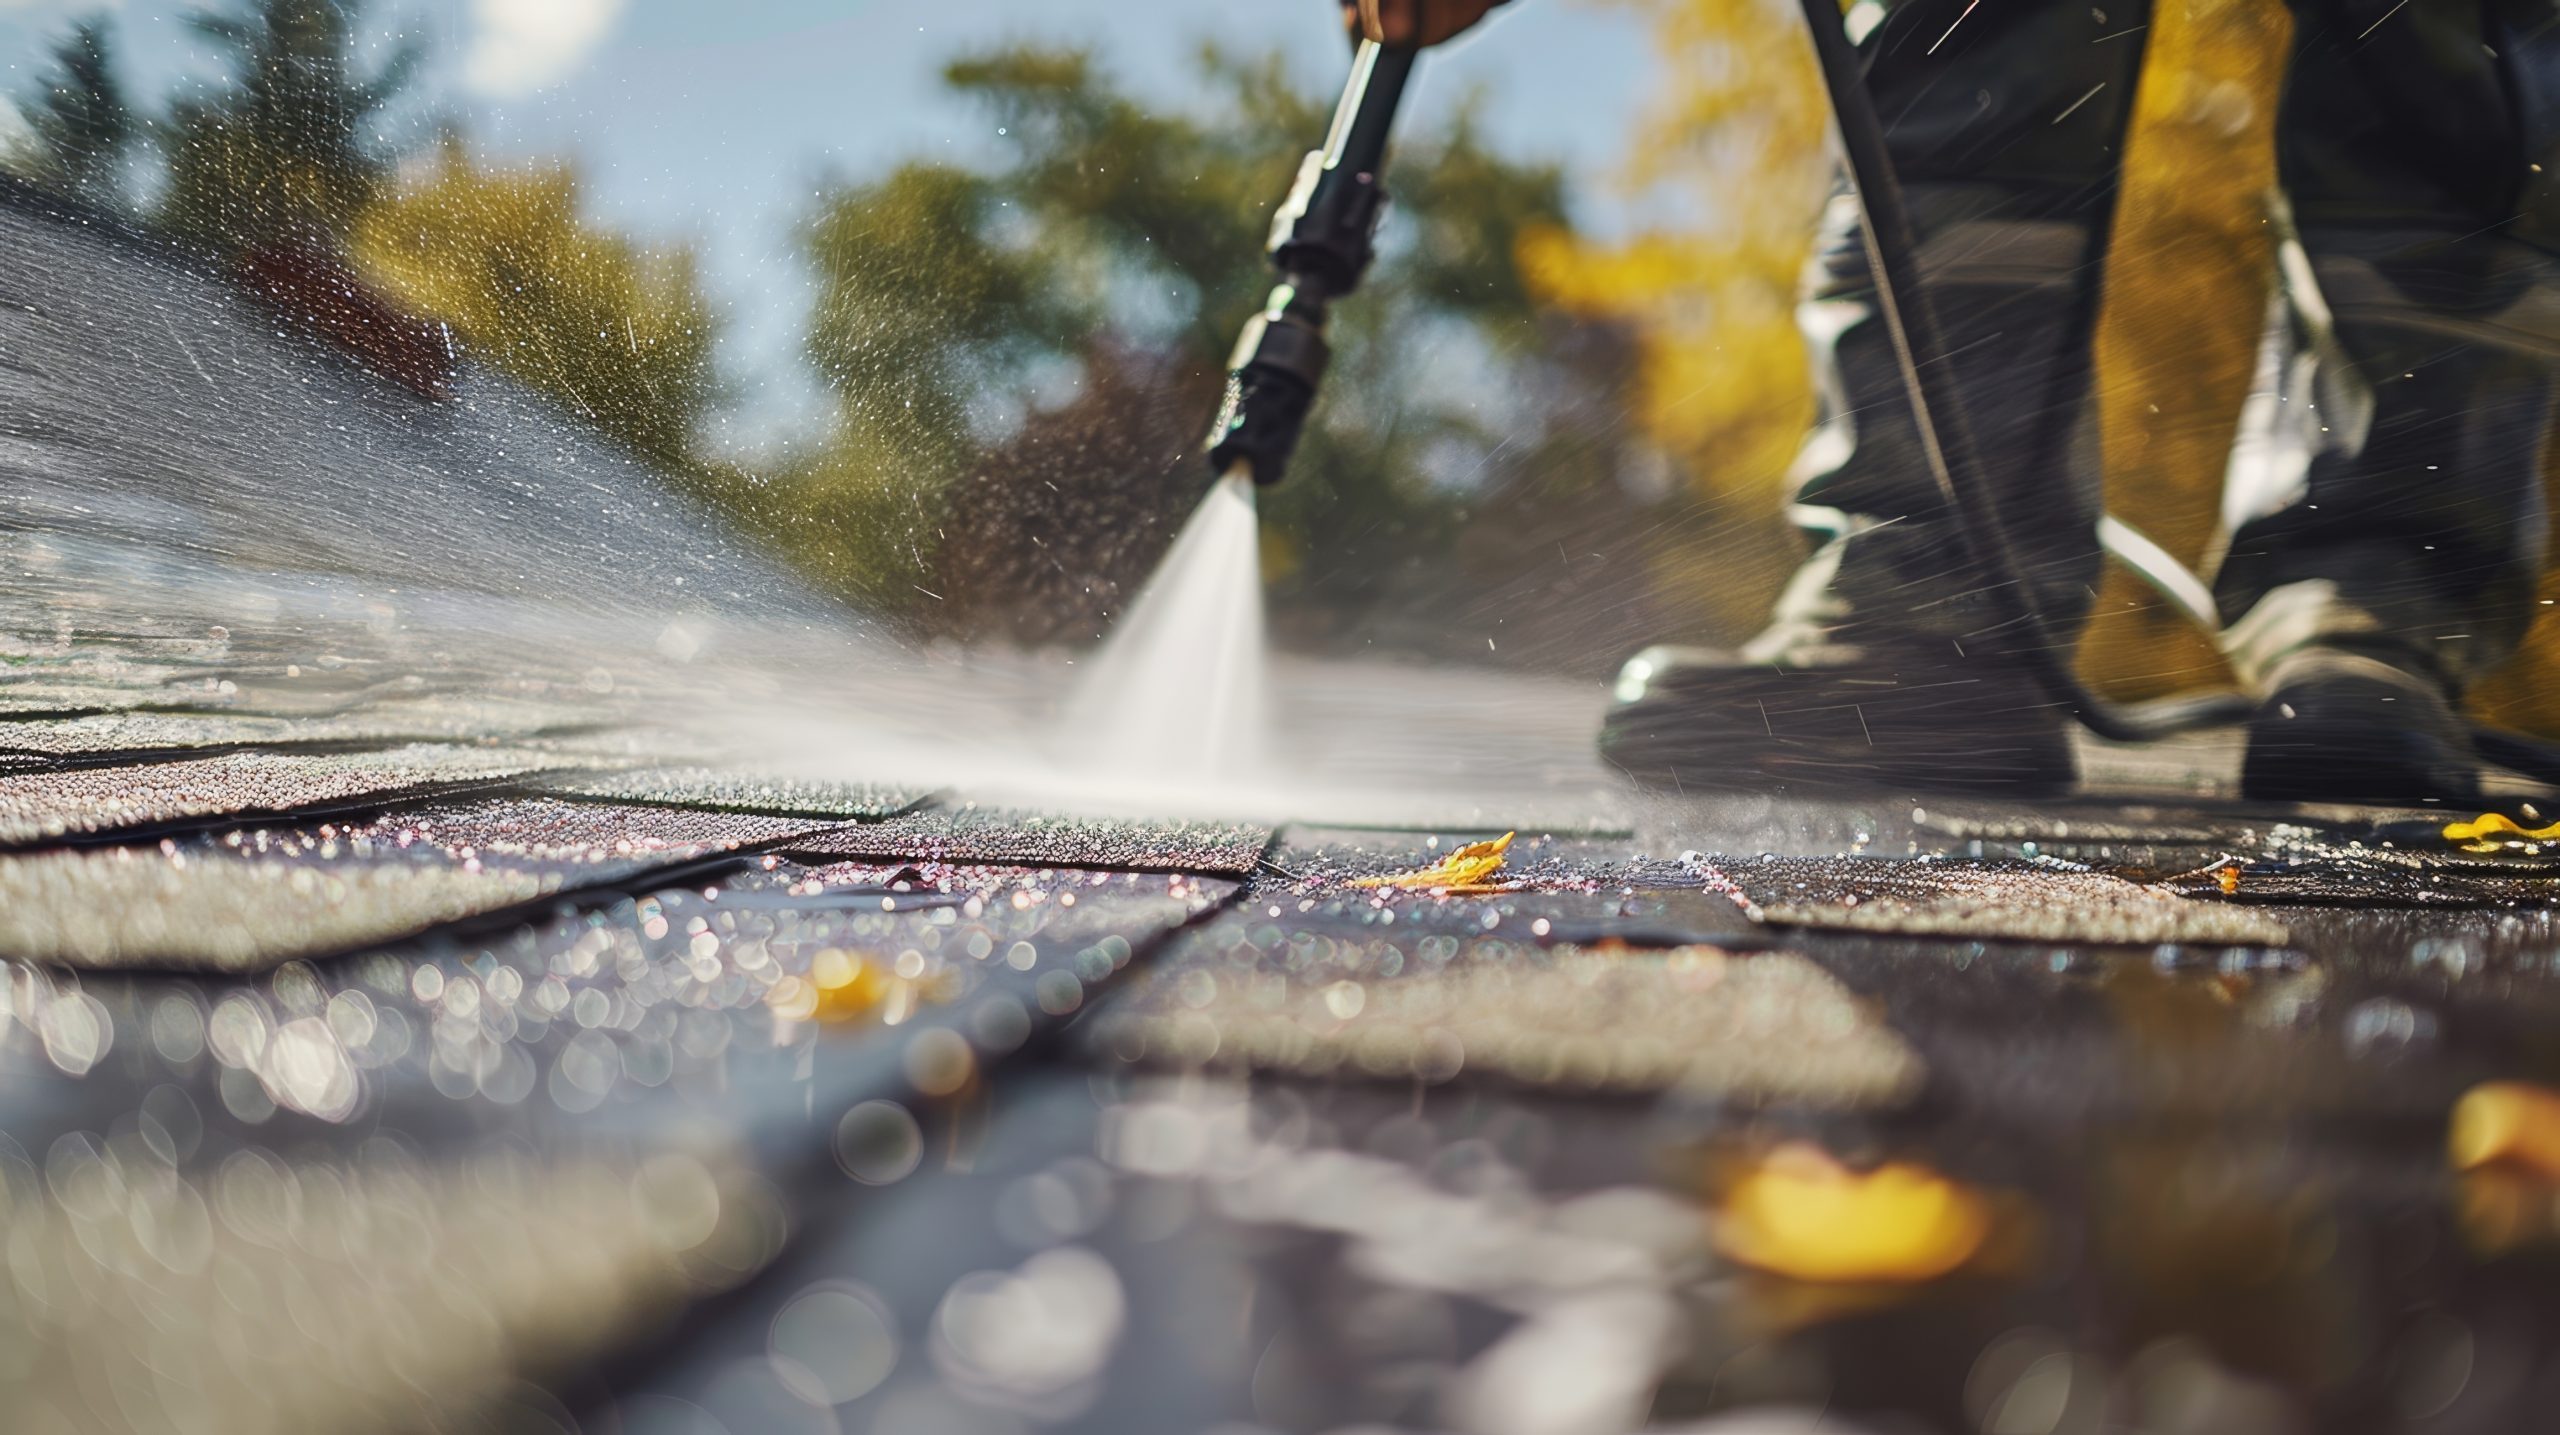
<point x="1177" y="690"/>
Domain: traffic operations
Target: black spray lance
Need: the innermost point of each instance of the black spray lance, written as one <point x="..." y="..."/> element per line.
<point x="1321" y="242"/>
<point x="1177" y="690"/>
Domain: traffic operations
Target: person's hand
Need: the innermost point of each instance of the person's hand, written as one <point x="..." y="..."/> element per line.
<point x="1412" y="22"/>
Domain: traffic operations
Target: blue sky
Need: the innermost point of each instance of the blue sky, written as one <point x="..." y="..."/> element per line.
<point x="673" y="106"/>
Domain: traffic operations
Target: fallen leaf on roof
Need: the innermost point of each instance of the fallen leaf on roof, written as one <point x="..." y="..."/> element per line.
<point x="1797" y="1212"/>
<point x="2492" y="830"/>
<point x="841" y="986"/>
<point x="2510" y="1124"/>
<point x="1469" y="869"/>
<point x="2504" y="1141"/>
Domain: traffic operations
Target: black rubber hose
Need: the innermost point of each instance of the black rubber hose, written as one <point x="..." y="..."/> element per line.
<point x="1937" y="409"/>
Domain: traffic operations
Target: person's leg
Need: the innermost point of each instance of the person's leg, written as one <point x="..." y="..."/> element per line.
<point x="1886" y="662"/>
<point x="2361" y="604"/>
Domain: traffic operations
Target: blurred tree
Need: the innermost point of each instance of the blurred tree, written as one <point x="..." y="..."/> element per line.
<point x="925" y="321"/>
<point x="618" y="334"/>
<point x="1027" y="355"/>
<point x="83" y="127"/>
<point x="1731" y="150"/>
<point x="286" y="152"/>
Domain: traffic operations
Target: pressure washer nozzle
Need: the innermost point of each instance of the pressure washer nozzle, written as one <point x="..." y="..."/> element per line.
<point x="1272" y="377"/>
<point x="1321" y="242"/>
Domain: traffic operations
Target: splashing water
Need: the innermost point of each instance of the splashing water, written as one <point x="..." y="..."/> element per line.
<point x="1177" y="690"/>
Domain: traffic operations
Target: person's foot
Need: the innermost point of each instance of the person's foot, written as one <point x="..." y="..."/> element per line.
<point x="1889" y="716"/>
<point x="2340" y="726"/>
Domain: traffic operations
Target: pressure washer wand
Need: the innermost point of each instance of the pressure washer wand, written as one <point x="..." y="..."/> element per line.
<point x="1321" y="242"/>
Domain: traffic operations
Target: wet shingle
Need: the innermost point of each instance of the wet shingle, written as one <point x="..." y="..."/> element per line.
<point x="2364" y="882"/>
<point x="44" y="805"/>
<point x="1317" y="857"/>
<point x="24" y="698"/>
<point x="228" y="911"/>
<point x="971" y="834"/>
<point x="247" y="900"/>
<point x="140" y="733"/>
<point x="551" y="830"/>
<point x="736" y="790"/>
<point x="370" y="1294"/>
<point x="1694" y="1019"/>
<point x="2021" y="901"/>
<point x="408" y="720"/>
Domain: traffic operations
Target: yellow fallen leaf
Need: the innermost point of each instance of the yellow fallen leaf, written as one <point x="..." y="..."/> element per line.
<point x="849" y="986"/>
<point x="1469" y="869"/>
<point x="2509" y="1124"/>
<point x="1797" y="1212"/>
<point x="2489" y="831"/>
<point x="2499" y="1209"/>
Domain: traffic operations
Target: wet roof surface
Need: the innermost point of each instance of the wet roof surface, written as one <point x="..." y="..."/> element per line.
<point x="968" y="833"/>
<point x="395" y="1037"/>
<point x="97" y="800"/>
<point x="274" y="1006"/>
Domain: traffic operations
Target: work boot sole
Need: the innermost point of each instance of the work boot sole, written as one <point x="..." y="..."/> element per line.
<point x="2342" y="728"/>
<point x="1757" y="727"/>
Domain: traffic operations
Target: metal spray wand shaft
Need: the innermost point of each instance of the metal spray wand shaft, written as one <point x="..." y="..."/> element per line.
<point x="1321" y="242"/>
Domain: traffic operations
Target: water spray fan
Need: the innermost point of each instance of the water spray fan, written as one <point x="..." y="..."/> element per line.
<point x="1177" y="689"/>
<point x="1322" y="240"/>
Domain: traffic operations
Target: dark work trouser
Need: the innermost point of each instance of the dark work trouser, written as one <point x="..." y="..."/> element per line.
<point x="2406" y="141"/>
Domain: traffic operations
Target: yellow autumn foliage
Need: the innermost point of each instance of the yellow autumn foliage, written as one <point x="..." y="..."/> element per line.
<point x="2187" y="278"/>
<point x="1733" y="140"/>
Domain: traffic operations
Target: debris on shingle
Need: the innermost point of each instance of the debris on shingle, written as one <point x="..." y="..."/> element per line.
<point x="2363" y="880"/>
<point x="1324" y="858"/>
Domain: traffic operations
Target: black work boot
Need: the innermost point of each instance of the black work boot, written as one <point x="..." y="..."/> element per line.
<point x="1827" y="701"/>
<point x="1874" y="720"/>
<point x="2342" y="726"/>
<point x="2353" y="704"/>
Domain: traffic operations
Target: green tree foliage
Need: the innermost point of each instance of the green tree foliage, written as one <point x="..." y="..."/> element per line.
<point x="84" y="128"/>
<point x="282" y="153"/>
<point x="618" y="334"/>
<point x="919" y="317"/>
<point x="1027" y="352"/>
